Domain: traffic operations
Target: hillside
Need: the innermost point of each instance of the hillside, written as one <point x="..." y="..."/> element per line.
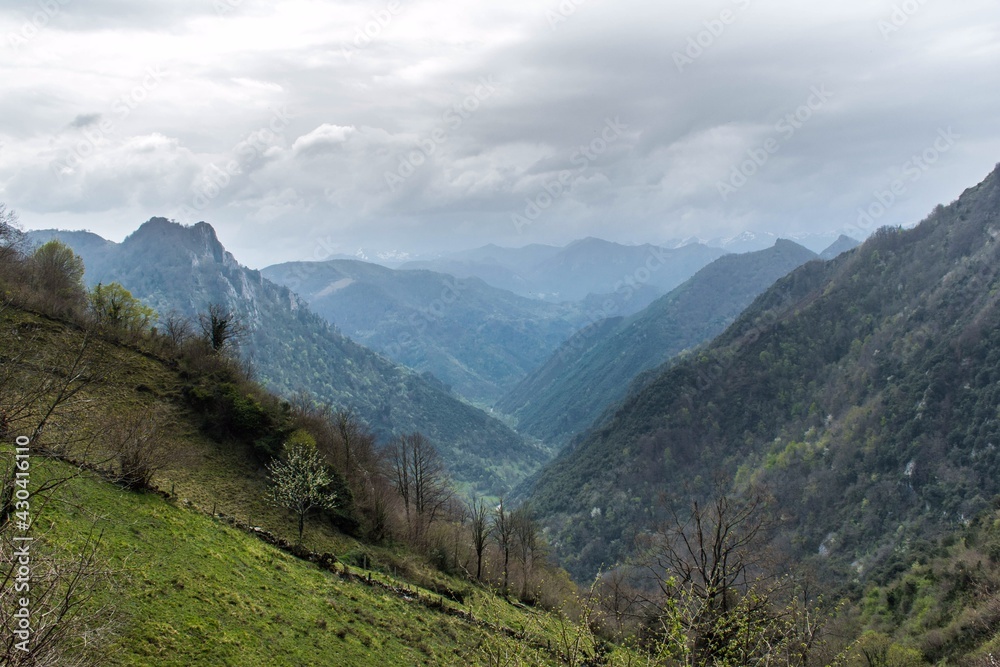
<point x="861" y="392"/>
<point x="203" y="570"/>
<point x="593" y="370"/>
<point x="478" y="339"/>
<point x="182" y="270"/>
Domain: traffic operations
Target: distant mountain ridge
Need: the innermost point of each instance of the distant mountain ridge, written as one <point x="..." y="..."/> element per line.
<point x="481" y="340"/>
<point x="584" y="268"/>
<point x="184" y="269"/>
<point x="592" y="371"/>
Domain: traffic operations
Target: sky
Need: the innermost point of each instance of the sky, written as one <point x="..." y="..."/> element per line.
<point x="305" y="128"/>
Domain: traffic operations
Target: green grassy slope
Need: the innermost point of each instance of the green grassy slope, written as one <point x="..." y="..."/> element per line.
<point x="191" y="589"/>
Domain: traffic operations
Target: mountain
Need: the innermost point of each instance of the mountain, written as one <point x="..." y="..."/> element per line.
<point x="862" y="393"/>
<point x="592" y="371"/>
<point x="841" y="245"/>
<point x="632" y="275"/>
<point x="184" y="269"/>
<point x="478" y="339"/>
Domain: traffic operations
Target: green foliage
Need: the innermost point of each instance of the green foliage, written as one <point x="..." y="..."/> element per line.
<point x="235" y="409"/>
<point x="116" y="311"/>
<point x="861" y="391"/>
<point x="57" y="277"/>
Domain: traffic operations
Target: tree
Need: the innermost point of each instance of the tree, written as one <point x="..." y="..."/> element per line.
<point x="300" y="482"/>
<point x="526" y="541"/>
<point x="177" y="328"/>
<point x="115" y="310"/>
<point x="57" y="273"/>
<point x="503" y="533"/>
<point x="479" y="514"/>
<point x="356" y="441"/>
<point x="221" y="327"/>
<point x="11" y="236"/>
<point x="718" y="602"/>
<point x="420" y="480"/>
<point x="137" y="445"/>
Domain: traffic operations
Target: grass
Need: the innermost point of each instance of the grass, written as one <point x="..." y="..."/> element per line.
<point x="194" y="591"/>
<point x="189" y="589"/>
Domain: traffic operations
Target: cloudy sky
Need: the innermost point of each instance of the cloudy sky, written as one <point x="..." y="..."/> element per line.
<point x="304" y="127"/>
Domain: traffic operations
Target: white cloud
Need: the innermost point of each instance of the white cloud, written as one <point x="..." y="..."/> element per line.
<point x="322" y="139"/>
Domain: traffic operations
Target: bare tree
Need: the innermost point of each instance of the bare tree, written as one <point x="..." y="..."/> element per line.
<point x="138" y="446"/>
<point x="719" y="602"/>
<point x="178" y="328"/>
<point x="11" y="236"/>
<point x="356" y="441"/>
<point x="421" y="481"/>
<point x="221" y="327"/>
<point x="66" y="623"/>
<point x="503" y="533"/>
<point x="68" y="627"/>
<point x="526" y="541"/>
<point x="479" y="515"/>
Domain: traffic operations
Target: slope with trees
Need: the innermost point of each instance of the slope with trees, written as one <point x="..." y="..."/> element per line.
<point x="592" y="371"/>
<point x="861" y="391"/>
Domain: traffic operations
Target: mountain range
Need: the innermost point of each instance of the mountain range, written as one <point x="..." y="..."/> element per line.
<point x="478" y="339"/>
<point x="861" y="393"/>
<point x="586" y="268"/>
<point x="183" y="270"/>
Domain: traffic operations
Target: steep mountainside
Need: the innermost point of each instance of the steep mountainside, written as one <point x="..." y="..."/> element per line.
<point x="862" y="392"/>
<point x="592" y="371"/>
<point x="585" y="267"/>
<point x="184" y="269"/>
<point x="478" y="339"/>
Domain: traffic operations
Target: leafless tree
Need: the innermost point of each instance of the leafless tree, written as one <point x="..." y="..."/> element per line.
<point x="503" y="533"/>
<point x="177" y="328"/>
<point x="67" y="623"/>
<point x="479" y="524"/>
<point x="221" y="327"/>
<point x="420" y="480"/>
<point x="356" y="442"/>
<point x="139" y="447"/>
<point x="11" y="236"/>
<point x="719" y="598"/>
<point x="526" y="541"/>
<point x="68" y="626"/>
